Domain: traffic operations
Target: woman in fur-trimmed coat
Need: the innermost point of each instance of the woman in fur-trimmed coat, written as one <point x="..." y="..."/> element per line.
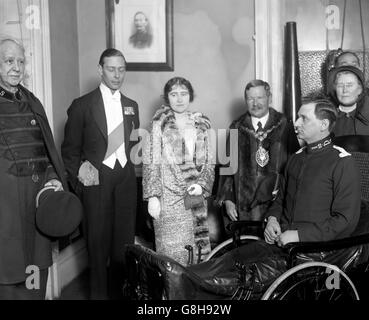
<point x="177" y="159"/>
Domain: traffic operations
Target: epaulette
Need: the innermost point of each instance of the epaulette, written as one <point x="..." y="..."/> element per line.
<point x="299" y="151"/>
<point x="343" y="153"/>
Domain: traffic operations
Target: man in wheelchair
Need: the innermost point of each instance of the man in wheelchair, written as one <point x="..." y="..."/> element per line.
<point x="318" y="200"/>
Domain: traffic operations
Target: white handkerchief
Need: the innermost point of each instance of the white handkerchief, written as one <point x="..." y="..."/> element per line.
<point x="88" y="175"/>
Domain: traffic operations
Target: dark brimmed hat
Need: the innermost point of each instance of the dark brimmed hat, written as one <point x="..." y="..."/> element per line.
<point x="58" y="213"/>
<point x="333" y="73"/>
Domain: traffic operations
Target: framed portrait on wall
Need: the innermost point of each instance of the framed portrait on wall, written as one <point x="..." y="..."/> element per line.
<point x="143" y="31"/>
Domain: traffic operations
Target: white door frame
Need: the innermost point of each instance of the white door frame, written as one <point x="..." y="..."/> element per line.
<point x="269" y="31"/>
<point x="41" y="75"/>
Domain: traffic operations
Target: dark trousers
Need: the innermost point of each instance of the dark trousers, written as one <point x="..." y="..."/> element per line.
<point x="110" y="218"/>
<point x="19" y="291"/>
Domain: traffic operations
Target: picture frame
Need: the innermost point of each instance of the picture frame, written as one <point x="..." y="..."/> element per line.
<point x="143" y="31"/>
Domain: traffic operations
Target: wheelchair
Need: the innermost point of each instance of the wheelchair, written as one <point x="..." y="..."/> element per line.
<point x="336" y="270"/>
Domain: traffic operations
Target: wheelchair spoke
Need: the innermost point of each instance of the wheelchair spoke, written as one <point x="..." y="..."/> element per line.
<point x="237" y="294"/>
<point x="310" y="283"/>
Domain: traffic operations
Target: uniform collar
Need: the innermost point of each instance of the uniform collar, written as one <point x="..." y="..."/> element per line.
<point x="348" y="110"/>
<point x="320" y="145"/>
<point x="9" y="95"/>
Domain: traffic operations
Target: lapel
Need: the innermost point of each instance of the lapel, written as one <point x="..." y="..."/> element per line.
<point x="126" y="123"/>
<point x="34" y="104"/>
<point x="271" y="119"/>
<point x="247" y="122"/>
<point x="98" y="113"/>
<point x="128" y="120"/>
<point x="43" y="122"/>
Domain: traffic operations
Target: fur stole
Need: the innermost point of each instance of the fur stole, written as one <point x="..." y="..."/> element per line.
<point x="190" y="167"/>
<point x="173" y="145"/>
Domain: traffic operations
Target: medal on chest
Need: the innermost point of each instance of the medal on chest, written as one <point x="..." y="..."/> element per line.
<point x="262" y="156"/>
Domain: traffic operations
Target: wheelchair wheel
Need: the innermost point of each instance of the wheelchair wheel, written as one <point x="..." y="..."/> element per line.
<point x="312" y="281"/>
<point x="227" y="245"/>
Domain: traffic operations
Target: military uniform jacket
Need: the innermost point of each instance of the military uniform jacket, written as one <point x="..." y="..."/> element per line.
<point x="20" y="243"/>
<point x="43" y="122"/>
<point x="320" y="193"/>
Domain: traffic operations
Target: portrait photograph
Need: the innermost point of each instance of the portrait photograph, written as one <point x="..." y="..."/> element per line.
<point x="143" y="31"/>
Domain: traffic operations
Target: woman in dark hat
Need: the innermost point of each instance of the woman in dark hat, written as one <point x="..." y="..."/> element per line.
<point x="346" y="88"/>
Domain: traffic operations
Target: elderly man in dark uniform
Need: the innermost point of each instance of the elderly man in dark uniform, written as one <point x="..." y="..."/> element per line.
<point x="318" y="200"/>
<point x="28" y="162"/>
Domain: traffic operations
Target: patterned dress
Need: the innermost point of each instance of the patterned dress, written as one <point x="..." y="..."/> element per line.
<point x="169" y="169"/>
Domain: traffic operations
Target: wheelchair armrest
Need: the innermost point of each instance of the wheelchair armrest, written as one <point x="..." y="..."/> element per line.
<point x="238" y="225"/>
<point x="245" y="227"/>
<point x="295" y="248"/>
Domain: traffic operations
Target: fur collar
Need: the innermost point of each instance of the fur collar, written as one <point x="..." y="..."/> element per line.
<point x="244" y="121"/>
<point x="272" y="130"/>
<point x="166" y="117"/>
<point x="174" y="147"/>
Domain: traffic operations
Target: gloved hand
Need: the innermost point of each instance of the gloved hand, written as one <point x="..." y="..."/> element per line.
<point x="154" y="207"/>
<point x="54" y="183"/>
<point x="194" y="190"/>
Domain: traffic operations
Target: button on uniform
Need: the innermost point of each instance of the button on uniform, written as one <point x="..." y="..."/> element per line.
<point x="33" y="122"/>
